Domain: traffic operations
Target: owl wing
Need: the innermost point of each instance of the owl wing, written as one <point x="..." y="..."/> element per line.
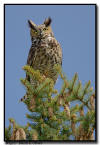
<point x="31" y="56"/>
<point x="56" y="48"/>
<point x="30" y="59"/>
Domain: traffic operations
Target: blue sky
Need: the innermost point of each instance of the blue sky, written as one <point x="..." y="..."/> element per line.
<point x="73" y="27"/>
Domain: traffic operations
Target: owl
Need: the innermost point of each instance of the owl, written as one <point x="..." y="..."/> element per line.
<point x="45" y="50"/>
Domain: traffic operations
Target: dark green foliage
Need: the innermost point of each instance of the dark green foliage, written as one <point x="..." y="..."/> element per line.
<point x="8" y="133"/>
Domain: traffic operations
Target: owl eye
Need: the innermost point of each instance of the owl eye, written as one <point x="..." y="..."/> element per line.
<point x="36" y="32"/>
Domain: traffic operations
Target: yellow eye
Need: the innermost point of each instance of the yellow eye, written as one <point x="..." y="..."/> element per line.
<point x="35" y="32"/>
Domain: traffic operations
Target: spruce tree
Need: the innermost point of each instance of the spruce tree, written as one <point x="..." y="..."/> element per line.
<point x="76" y="119"/>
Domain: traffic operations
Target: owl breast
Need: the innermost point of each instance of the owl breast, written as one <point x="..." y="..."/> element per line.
<point x="46" y="55"/>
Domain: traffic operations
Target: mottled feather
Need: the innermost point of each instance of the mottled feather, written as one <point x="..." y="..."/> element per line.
<point x="45" y="51"/>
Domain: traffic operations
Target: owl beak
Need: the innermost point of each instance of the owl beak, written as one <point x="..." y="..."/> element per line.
<point x="32" y="25"/>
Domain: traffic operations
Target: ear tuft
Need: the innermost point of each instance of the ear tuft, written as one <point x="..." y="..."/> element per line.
<point x="47" y="22"/>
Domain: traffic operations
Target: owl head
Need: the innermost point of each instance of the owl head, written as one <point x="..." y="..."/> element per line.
<point x="40" y="30"/>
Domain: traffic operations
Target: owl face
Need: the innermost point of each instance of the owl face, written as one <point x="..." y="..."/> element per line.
<point x="40" y="30"/>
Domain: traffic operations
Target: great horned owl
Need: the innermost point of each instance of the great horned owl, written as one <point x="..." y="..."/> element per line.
<point x="45" y="51"/>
